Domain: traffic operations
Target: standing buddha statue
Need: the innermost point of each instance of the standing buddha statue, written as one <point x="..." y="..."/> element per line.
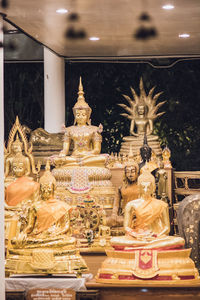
<point x="84" y="170"/>
<point x="126" y="193"/>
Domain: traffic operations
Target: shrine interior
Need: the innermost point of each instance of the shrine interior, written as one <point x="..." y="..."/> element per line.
<point x="101" y="174"/>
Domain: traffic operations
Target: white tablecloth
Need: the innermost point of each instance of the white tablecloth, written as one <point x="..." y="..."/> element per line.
<point x="27" y="283"/>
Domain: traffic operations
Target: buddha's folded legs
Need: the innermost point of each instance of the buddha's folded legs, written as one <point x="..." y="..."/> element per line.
<point x="154" y="243"/>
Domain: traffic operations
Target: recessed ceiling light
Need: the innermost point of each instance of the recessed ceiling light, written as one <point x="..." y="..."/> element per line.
<point x="168" y="6"/>
<point x="94" y="38"/>
<point x="184" y="35"/>
<point x="62" y="11"/>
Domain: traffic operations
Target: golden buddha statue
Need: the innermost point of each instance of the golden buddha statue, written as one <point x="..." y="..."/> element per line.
<point x="126" y="193"/>
<point x="142" y="112"/>
<point x="85" y="137"/>
<point x="162" y="177"/>
<point x="19" y="187"/>
<point x="85" y="168"/>
<point x="166" y="154"/>
<point x="147" y="251"/>
<point x="45" y="245"/>
<point x="14" y="156"/>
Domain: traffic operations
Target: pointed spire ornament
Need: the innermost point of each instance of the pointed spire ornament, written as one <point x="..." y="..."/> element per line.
<point x="81" y="103"/>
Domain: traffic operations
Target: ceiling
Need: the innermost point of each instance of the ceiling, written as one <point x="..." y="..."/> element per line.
<point x="114" y="22"/>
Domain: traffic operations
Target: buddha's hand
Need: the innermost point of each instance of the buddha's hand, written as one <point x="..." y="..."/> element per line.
<point x="62" y="154"/>
<point x="57" y="159"/>
<point x="140" y="234"/>
<point x="20" y="240"/>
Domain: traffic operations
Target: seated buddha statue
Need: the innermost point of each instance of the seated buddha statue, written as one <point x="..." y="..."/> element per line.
<point x="84" y="170"/>
<point x="146" y="220"/>
<point x="45" y="245"/>
<point x="48" y="219"/>
<point x="147" y="252"/>
<point x="86" y="138"/>
<point x="20" y="188"/>
<point x="126" y="193"/>
<point x="142" y="112"/>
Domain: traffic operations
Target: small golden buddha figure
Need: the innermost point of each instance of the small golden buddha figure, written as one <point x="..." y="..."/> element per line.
<point x="147" y="251"/>
<point x="85" y="137"/>
<point x="166" y="154"/>
<point x="47" y="231"/>
<point x="161" y="176"/>
<point x="15" y="159"/>
<point x="126" y="193"/>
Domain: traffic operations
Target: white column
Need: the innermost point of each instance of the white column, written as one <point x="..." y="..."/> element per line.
<point x="54" y="92"/>
<point x="2" y="250"/>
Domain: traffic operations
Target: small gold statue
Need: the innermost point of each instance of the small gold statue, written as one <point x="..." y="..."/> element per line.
<point x="45" y="245"/>
<point x="166" y="154"/>
<point x="142" y="112"/>
<point x="14" y="158"/>
<point x="161" y="176"/>
<point x="146" y="251"/>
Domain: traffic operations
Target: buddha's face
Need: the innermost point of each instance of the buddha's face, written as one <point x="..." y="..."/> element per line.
<point x="47" y="190"/>
<point x="18" y="168"/>
<point x="131" y="173"/>
<point x="81" y="116"/>
<point x="16" y="148"/>
<point x="141" y="110"/>
<point x="146" y="189"/>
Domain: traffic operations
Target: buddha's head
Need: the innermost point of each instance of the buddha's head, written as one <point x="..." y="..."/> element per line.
<point x="131" y="172"/>
<point x="81" y="116"/>
<point x="166" y="153"/>
<point x="146" y="184"/>
<point x="142" y="107"/>
<point x="81" y="109"/>
<point x="17" y="145"/>
<point x="18" y="167"/>
<point x="47" y="184"/>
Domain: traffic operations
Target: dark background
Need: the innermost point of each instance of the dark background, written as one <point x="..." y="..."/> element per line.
<point x="104" y="83"/>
